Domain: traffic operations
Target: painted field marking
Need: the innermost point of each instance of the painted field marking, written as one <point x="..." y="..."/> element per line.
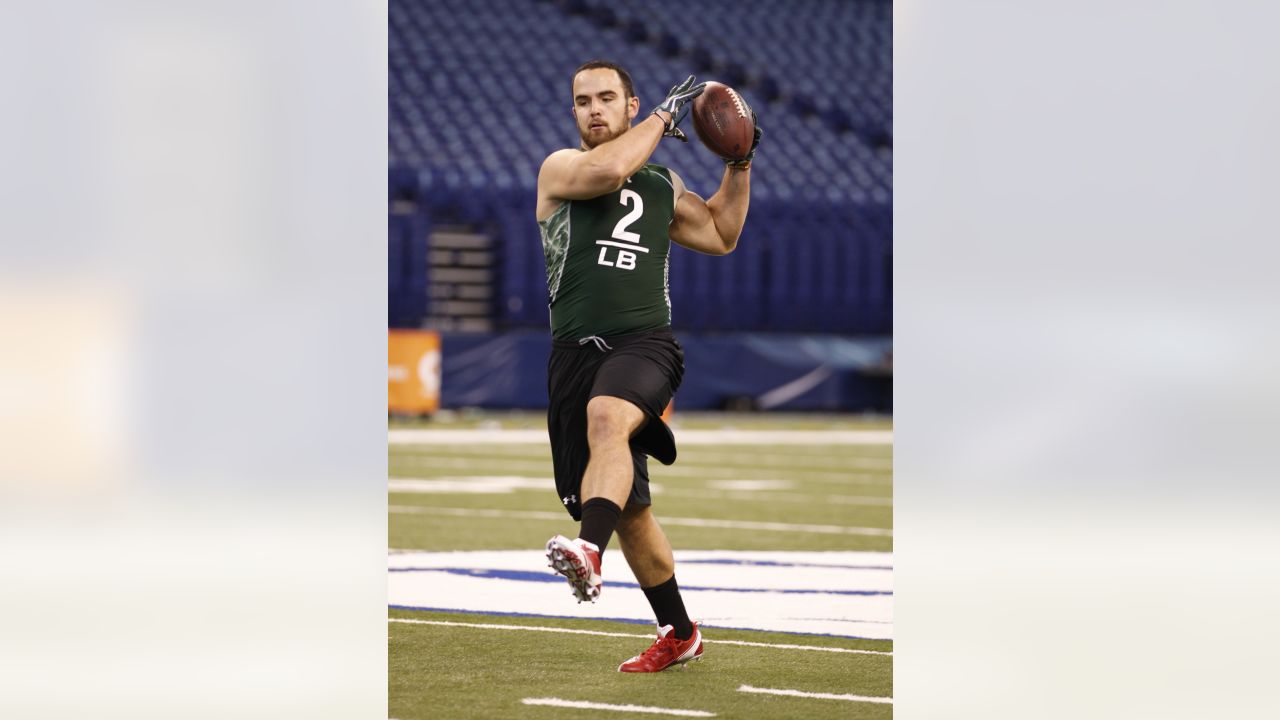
<point x="781" y="454"/>
<point x="431" y="461"/>
<point x="822" y="696"/>
<point x="601" y="633"/>
<point x="751" y="485"/>
<point x="736" y="557"/>
<point x="760" y="490"/>
<point x="470" y="485"/>
<point x="803" y="458"/>
<point x="761" y="563"/>
<point x="784" y="646"/>
<point x="544" y="577"/>
<point x="476" y="512"/>
<point x="557" y="702"/>
<point x="826" y="593"/>
<point x="773" y="496"/>
<point x="688" y="522"/>
<point x="686" y="437"/>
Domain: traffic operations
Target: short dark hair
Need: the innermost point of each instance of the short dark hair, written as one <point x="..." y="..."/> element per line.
<point x="628" y="89"/>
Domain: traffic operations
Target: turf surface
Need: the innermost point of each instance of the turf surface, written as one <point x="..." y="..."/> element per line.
<point x="466" y="672"/>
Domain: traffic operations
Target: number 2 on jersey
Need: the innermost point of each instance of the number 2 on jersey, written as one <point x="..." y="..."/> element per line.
<point x="625" y="260"/>
<point x="620" y="230"/>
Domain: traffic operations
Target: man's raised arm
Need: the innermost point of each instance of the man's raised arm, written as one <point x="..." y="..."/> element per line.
<point x="574" y="175"/>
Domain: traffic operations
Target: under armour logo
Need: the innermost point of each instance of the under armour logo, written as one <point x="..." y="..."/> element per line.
<point x="570" y="499"/>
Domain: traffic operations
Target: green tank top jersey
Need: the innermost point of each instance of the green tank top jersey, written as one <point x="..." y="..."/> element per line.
<point x="607" y="259"/>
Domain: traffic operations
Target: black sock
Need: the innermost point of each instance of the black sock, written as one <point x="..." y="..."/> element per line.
<point x="669" y="608"/>
<point x="599" y="519"/>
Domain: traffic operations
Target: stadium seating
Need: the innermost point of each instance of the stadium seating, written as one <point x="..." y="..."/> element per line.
<point x="479" y="95"/>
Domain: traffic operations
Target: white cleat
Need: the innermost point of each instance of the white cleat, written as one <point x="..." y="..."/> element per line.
<point x="579" y="562"/>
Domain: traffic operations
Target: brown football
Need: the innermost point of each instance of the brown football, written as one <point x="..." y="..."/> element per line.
<point x="722" y="120"/>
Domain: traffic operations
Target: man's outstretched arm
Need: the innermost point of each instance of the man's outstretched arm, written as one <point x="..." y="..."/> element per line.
<point x="713" y="226"/>
<point x="574" y="175"/>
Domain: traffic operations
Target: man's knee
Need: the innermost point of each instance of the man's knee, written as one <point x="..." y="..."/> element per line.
<point x="611" y="419"/>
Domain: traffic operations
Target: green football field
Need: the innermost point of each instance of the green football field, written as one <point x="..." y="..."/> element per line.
<point x="773" y="495"/>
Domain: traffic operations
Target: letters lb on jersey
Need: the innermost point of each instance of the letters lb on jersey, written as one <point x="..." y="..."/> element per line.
<point x="608" y="257"/>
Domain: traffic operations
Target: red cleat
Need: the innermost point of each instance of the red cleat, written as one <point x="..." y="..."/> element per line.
<point x="579" y="561"/>
<point x="667" y="651"/>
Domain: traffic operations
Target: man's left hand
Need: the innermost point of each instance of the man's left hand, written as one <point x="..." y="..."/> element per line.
<point x="745" y="162"/>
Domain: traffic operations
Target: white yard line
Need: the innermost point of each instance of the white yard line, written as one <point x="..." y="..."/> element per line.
<point x="505" y="484"/>
<point x="446" y="459"/>
<point x="687" y="522"/>
<point x="476" y="512"/>
<point x="774" y="496"/>
<point x="685" y="437"/>
<point x="430" y="462"/>
<point x="600" y="633"/>
<point x="782" y="646"/>
<point x="784" y="454"/>
<point x="531" y="628"/>
<point x="468" y="485"/>
<point x="779" y="527"/>
<point x="583" y="705"/>
<point x="802" y="457"/>
<point x="822" y="696"/>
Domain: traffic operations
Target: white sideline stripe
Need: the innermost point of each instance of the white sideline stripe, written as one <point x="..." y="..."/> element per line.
<point x="688" y="522"/>
<point x="823" y="696"/>
<point x="557" y="702"/>
<point x="436" y="461"/>
<point x="601" y="633"/>
<point x="752" y="491"/>
<point x="532" y="628"/>
<point x="476" y="512"/>
<point x="470" y="485"/>
<point x="697" y="455"/>
<point x="773" y="496"/>
<point x="784" y="646"/>
<point x="419" y="436"/>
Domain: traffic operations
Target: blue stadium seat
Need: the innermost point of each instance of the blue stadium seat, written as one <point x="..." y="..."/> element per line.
<point x="478" y="94"/>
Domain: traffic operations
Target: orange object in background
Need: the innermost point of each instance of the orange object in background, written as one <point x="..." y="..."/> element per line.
<point x="671" y="410"/>
<point x="413" y="372"/>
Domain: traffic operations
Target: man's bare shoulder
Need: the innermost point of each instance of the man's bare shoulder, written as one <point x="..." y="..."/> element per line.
<point x="560" y="156"/>
<point x="556" y="169"/>
<point x="554" y="165"/>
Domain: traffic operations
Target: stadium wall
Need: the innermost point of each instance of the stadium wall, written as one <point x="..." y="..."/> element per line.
<point x="738" y="371"/>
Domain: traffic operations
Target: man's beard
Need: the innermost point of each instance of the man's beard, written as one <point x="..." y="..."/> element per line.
<point x="609" y="134"/>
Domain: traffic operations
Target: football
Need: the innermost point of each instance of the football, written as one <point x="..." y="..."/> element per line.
<point x="723" y="121"/>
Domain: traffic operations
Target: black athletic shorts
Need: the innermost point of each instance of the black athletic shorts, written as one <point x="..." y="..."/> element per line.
<point x="644" y="369"/>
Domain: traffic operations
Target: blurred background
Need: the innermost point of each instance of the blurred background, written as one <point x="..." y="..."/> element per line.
<point x="798" y="318"/>
<point x="193" y="513"/>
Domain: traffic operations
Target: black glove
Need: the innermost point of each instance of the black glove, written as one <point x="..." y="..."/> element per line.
<point x="677" y="105"/>
<point x="746" y="161"/>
